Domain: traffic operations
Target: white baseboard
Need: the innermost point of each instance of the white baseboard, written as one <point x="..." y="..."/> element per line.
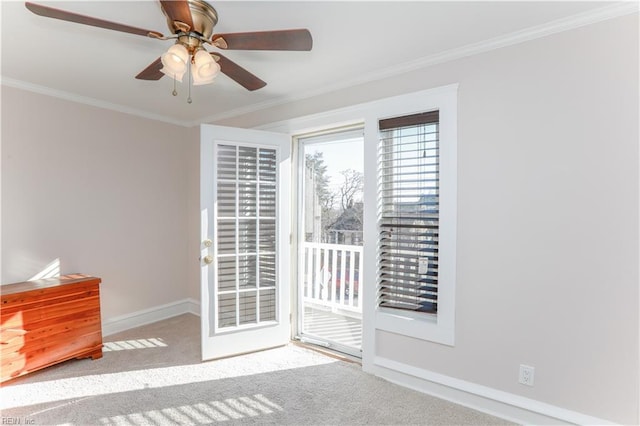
<point x="501" y="404"/>
<point x="148" y="316"/>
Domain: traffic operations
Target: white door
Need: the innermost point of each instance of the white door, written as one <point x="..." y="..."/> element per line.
<point x="244" y="201"/>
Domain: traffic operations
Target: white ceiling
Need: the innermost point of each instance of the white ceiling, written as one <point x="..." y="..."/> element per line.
<point x="353" y="42"/>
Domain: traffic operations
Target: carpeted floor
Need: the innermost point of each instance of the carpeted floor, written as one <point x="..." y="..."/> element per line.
<point x="153" y="375"/>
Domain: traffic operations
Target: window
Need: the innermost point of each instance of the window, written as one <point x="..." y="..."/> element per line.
<point x="416" y="218"/>
<point x="408" y="205"/>
<point x="246" y="235"/>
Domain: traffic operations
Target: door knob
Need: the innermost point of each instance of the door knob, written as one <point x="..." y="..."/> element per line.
<point x="207" y="243"/>
<point x="208" y="259"/>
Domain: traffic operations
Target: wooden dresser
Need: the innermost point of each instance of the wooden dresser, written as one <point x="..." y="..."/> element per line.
<point x="48" y="321"/>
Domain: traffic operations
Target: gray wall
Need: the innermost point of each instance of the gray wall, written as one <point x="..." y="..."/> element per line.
<point x="104" y="192"/>
<point x="547" y="250"/>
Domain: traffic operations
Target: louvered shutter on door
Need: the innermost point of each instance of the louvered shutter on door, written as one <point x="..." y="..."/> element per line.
<point x="408" y="198"/>
<point x="246" y="235"/>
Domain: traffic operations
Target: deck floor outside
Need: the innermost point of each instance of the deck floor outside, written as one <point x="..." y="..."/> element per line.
<point x="335" y="328"/>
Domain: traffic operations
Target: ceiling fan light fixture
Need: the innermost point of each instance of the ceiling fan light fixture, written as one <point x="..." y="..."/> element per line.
<point x="198" y="81"/>
<point x="204" y="69"/>
<point x="174" y="61"/>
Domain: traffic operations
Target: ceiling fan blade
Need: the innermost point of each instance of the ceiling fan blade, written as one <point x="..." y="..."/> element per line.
<point x="50" y="12"/>
<point x="238" y="74"/>
<point x="178" y="10"/>
<point x="265" y="40"/>
<point x="152" y="72"/>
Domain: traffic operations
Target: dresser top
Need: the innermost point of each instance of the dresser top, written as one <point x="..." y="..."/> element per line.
<point x="47" y="282"/>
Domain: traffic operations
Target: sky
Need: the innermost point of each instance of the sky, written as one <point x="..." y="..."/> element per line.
<point x="338" y="156"/>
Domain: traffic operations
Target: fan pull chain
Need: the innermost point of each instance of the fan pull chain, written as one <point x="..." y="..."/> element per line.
<point x="175" y="92"/>
<point x="189" y="72"/>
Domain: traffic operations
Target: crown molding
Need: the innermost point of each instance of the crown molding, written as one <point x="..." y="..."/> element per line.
<point x="42" y="90"/>
<point x="604" y="13"/>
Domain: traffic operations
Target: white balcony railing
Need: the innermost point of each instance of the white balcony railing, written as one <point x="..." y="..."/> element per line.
<point x="331" y="274"/>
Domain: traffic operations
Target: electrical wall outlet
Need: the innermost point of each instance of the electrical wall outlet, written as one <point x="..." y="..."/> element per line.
<point x="526" y="374"/>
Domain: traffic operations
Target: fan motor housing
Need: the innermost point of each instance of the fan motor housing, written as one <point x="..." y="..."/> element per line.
<point x="204" y="18"/>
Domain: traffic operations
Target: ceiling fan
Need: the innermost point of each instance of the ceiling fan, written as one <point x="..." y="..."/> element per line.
<point x="191" y="24"/>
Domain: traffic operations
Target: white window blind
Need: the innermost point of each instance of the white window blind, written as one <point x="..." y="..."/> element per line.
<point x="245" y="235"/>
<point x="408" y="212"/>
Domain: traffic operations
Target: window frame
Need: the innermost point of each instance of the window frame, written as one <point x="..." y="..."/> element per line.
<point x="408" y="170"/>
<point x="438" y="327"/>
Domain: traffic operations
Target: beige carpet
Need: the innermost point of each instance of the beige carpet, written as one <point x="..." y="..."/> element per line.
<point x="152" y="375"/>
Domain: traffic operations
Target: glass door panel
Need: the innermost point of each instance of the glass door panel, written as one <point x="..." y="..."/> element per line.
<point x="330" y="211"/>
